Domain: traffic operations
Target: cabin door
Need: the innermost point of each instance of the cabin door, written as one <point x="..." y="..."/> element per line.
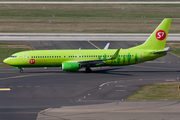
<point x="140" y="56"/>
<point x="25" y="57"/>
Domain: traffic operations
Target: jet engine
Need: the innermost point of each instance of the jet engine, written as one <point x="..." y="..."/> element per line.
<point x="70" y="66"/>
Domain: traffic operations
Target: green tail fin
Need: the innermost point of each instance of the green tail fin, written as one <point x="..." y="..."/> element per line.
<point x="157" y="40"/>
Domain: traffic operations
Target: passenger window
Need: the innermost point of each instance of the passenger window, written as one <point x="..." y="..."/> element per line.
<point x="45" y="56"/>
<point x="31" y="56"/>
<point x="49" y="56"/>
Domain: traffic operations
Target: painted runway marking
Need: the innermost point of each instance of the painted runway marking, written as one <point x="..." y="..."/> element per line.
<point x="24" y="76"/>
<point x="120" y="86"/>
<point x="171" y="80"/>
<point x="106" y="83"/>
<point x="17" y="76"/>
<point x="5" y="89"/>
<point x="121" y="90"/>
<point x="93" y="44"/>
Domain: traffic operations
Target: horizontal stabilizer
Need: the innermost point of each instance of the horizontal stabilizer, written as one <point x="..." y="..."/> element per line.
<point x="165" y="50"/>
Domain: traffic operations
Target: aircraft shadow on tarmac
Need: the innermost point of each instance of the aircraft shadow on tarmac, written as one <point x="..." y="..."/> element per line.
<point x="110" y="71"/>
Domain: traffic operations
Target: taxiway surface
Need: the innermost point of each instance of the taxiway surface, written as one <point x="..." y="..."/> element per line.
<point x="53" y="94"/>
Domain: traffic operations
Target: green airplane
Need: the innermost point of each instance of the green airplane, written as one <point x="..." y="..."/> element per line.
<point x="73" y="60"/>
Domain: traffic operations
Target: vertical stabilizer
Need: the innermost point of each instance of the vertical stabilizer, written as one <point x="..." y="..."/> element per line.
<point x="157" y="39"/>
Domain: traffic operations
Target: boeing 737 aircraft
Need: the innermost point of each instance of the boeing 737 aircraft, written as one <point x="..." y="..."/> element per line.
<point x="73" y="60"/>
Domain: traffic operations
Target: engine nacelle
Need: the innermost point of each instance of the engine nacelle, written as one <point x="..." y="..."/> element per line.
<point x="70" y="66"/>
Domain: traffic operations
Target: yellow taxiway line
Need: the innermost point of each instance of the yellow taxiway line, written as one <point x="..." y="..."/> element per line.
<point x="5" y="89"/>
<point x="93" y="44"/>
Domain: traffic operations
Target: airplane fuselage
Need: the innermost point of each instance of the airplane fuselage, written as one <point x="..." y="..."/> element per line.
<point x="73" y="60"/>
<point x="55" y="58"/>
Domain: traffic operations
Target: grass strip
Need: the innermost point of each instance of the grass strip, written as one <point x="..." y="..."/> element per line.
<point x="86" y="18"/>
<point x="157" y="91"/>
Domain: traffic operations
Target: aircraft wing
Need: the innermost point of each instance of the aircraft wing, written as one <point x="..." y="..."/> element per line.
<point x="93" y="62"/>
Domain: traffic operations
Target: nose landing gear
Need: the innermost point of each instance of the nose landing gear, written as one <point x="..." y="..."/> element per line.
<point x="21" y="70"/>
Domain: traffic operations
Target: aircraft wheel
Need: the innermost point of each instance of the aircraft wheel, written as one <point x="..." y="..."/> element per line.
<point x="88" y="70"/>
<point x="21" y="70"/>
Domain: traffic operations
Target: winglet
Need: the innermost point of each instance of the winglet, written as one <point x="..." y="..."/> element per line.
<point x="115" y="54"/>
<point x="107" y="46"/>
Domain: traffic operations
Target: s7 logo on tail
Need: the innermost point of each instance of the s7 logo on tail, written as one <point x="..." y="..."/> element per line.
<point x="160" y="35"/>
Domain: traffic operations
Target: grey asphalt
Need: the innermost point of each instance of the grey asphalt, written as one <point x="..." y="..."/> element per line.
<point x="53" y="94"/>
<point x="152" y="110"/>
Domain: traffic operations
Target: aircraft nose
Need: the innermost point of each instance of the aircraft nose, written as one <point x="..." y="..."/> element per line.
<point x="7" y="61"/>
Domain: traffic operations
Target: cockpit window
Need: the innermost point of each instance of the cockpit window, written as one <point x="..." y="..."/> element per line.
<point x="14" y="56"/>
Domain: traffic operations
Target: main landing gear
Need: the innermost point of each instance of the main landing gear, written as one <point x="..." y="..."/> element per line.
<point x="21" y="70"/>
<point x="88" y="70"/>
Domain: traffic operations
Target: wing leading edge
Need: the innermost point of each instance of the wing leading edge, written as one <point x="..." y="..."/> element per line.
<point x="93" y="62"/>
